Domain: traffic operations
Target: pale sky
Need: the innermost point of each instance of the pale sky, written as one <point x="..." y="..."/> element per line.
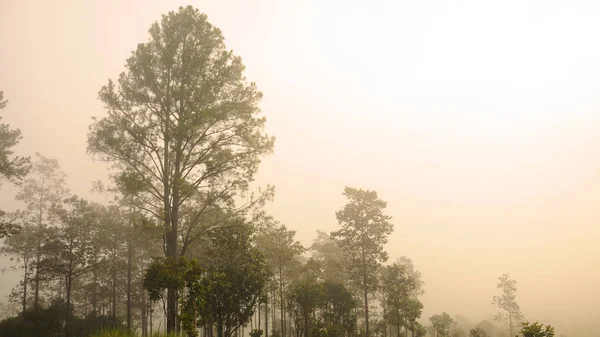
<point x="477" y="121"/>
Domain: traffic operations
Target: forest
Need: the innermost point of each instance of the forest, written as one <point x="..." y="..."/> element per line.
<point x="183" y="246"/>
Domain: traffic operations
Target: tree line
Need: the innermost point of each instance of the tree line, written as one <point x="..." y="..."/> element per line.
<point x="184" y="245"/>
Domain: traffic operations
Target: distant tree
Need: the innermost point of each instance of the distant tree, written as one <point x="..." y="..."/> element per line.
<point x="330" y="257"/>
<point x="43" y="188"/>
<point x="537" y="330"/>
<point x="486" y="326"/>
<point x="457" y="331"/>
<point x="71" y="246"/>
<point x="442" y="323"/>
<point x="12" y="168"/>
<point x="507" y="302"/>
<point x="21" y="248"/>
<point x="403" y="308"/>
<point x="183" y="129"/>
<point x="364" y="231"/>
<point x="478" y="332"/>
<point x="278" y="244"/>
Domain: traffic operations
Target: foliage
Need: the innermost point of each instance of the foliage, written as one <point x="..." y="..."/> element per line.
<point x="487" y="326"/>
<point x="441" y="324"/>
<point x="478" y="332"/>
<point x="282" y="251"/>
<point x="236" y="276"/>
<point x="7" y="228"/>
<point x="507" y="302"/>
<point x="330" y="258"/>
<point x="536" y="330"/>
<point x="364" y="231"/>
<point x="182" y="129"/>
<point x="223" y="289"/>
<point x="12" y="168"/>
<point x="322" y="309"/>
<point x="40" y="191"/>
<point x="337" y="310"/>
<point x="50" y="322"/>
<point x="256" y="333"/>
<point x="401" y="285"/>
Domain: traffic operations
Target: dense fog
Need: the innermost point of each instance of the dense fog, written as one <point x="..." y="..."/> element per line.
<point x="458" y="138"/>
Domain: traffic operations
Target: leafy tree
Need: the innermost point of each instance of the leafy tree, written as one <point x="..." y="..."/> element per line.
<point x="418" y="330"/>
<point x="507" y="302"/>
<point x="236" y="276"/>
<point x="364" y="231"/>
<point x="12" y="168"/>
<point x="337" y="310"/>
<point x="537" y="330"/>
<point x="222" y="290"/>
<point x="182" y="128"/>
<point x="305" y="297"/>
<point x="402" y="306"/>
<point x="478" y="332"/>
<point x="442" y="323"/>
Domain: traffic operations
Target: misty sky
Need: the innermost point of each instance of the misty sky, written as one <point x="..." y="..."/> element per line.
<point x="477" y="121"/>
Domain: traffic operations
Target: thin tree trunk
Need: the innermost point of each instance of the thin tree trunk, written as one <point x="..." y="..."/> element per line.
<point x="274" y="306"/>
<point x="36" y="298"/>
<point x="366" y="309"/>
<point x="170" y="227"/>
<point x="510" y="323"/>
<point x="67" y="318"/>
<point x="95" y="291"/>
<point x="114" y="292"/>
<point x="36" y="295"/>
<point x="151" y="318"/>
<point x="129" y="271"/>
<point x="144" y="312"/>
<point x="282" y="302"/>
<point x="365" y="293"/>
<point x="267" y="317"/>
<point x="25" y="287"/>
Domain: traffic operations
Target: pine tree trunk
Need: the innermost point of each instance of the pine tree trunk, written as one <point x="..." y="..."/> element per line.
<point x="267" y="318"/>
<point x="36" y="292"/>
<point x="67" y="318"/>
<point x="366" y="308"/>
<point x="282" y="302"/>
<point x="114" y="294"/>
<point x="95" y="291"/>
<point x="144" y="313"/>
<point x="129" y="271"/>
<point x="25" y="288"/>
